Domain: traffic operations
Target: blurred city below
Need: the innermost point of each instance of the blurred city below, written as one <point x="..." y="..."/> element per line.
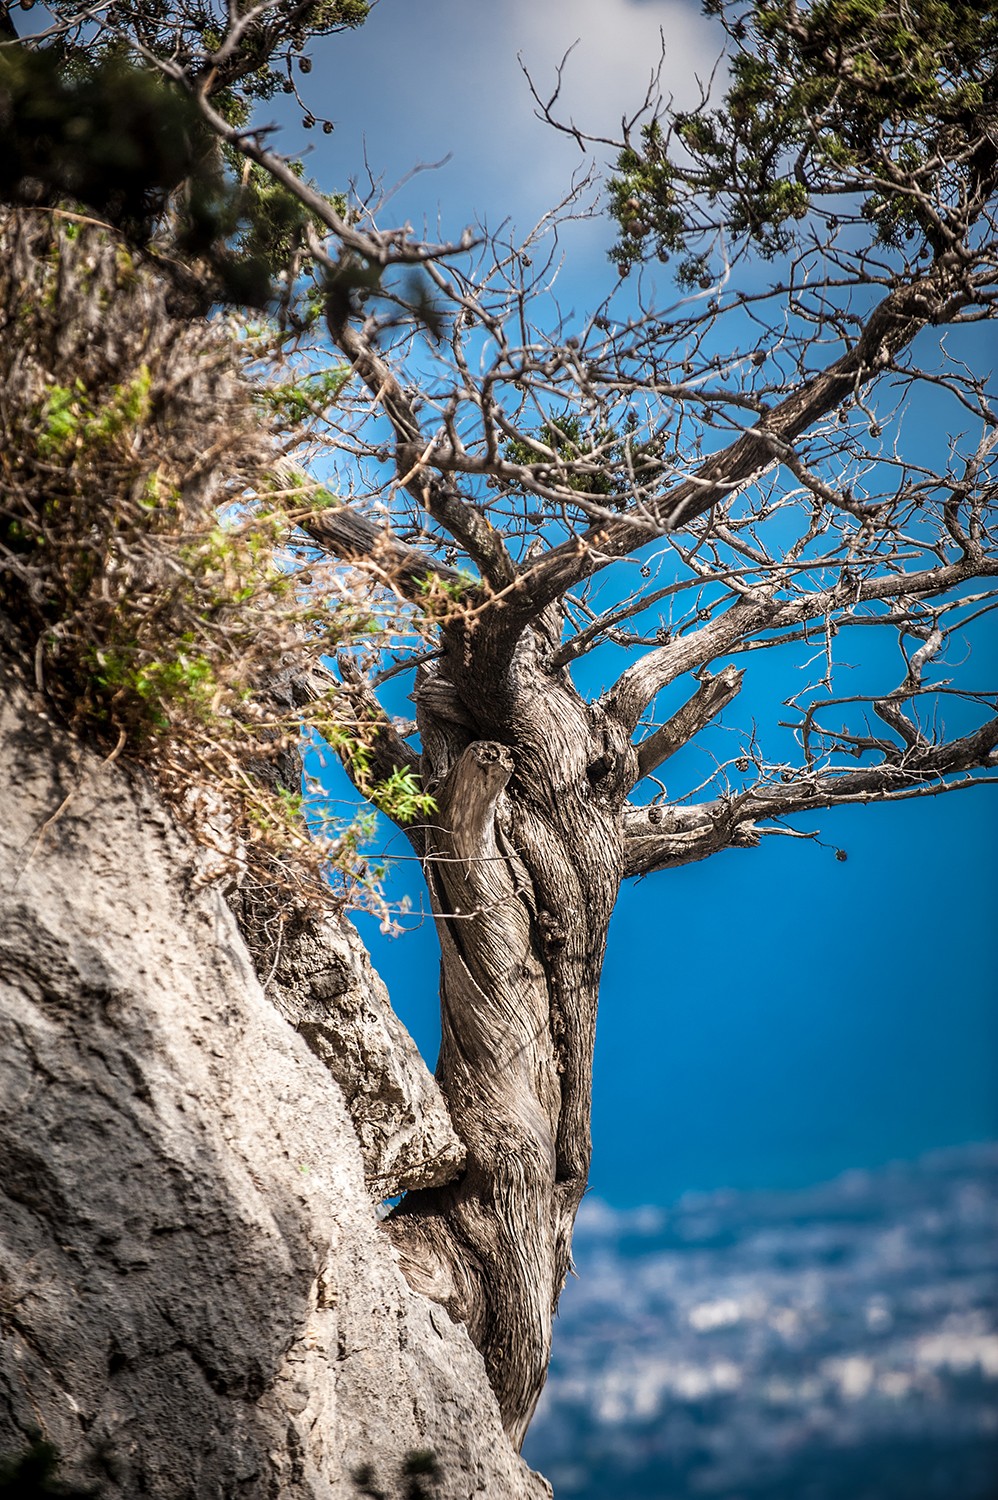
<point x="838" y="1343"/>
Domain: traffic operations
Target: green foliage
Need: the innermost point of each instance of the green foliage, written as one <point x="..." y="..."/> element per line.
<point x="295" y="401"/>
<point x="866" y="108"/>
<point x="594" y="460"/>
<point x="100" y="132"/>
<point x="439" y="595"/>
<point x="85" y="124"/>
<point x="87" y="127"/>
<point x="68" y="419"/>
<point x="569" y="440"/>
<point x="189" y="32"/>
<point x="401" y="796"/>
<point x="150" y="692"/>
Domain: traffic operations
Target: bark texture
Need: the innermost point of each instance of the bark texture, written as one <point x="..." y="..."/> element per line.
<point x="524" y="862"/>
<point x="195" y="1298"/>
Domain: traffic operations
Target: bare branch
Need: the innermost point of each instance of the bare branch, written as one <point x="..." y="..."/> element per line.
<point x="759" y="610"/>
<point x="414" y="451"/>
<point x="659" y="838"/>
<point x="713" y="695"/>
<point x="891" y="326"/>
<point x="348" y="534"/>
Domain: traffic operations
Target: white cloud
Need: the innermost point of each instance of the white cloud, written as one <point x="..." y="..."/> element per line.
<point x="597" y="1217"/>
<point x="854" y="1375"/>
<point x="617" y="46"/>
<point x="418" y="82"/>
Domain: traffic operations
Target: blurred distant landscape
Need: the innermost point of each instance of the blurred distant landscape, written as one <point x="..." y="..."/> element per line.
<point x="838" y="1343"/>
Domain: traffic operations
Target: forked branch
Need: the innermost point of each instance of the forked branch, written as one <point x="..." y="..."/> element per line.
<point x="713" y="695"/>
<point x="659" y="838"/>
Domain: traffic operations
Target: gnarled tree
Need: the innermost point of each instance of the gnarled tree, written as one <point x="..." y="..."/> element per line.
<point x="788" y="464"/>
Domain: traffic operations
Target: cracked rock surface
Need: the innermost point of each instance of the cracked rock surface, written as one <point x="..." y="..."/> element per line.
<point x="195" y="1298"/>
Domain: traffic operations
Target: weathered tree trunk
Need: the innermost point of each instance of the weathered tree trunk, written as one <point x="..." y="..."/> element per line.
<point x="524" y="864"/>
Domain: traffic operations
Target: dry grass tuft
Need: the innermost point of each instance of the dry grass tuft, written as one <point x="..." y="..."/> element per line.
<point x="144" y="572"/>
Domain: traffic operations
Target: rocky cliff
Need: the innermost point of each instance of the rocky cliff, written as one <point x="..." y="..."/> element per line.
<point x="195" y="1297"/>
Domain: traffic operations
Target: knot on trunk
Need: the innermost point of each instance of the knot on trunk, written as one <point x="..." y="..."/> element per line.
<point x="490" y="754"/>
<point x="553" y="934"/>
<point x="468" y="801"/>
<point x="612" y="758"/>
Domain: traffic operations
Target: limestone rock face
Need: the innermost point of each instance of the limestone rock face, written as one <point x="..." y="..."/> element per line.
<point x="322" y="981"/>
<point x="195" y="1298"/>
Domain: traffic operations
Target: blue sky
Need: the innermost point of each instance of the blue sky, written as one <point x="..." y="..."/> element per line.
<point x="775" y="1015"/>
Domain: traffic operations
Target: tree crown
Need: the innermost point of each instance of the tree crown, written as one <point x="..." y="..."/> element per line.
<point x="861" y="112"/>
<point x="741" y="446"/>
